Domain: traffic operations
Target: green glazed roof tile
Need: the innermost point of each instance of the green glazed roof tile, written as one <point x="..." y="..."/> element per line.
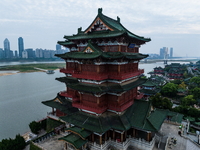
<point x="66" y="43"/>
<point x="79" y="131"/>
<point x="88" y="122"/>
<point x="62" y="104"/>
<point x="137" y="116"/>
<point x="157" y="117"/>
<point x="150" y="92"/>
<point x="117" y="30"/>
<point x="149" y="83"/>
<point x="90" y="88"/>
<point x="74" y="139"/>
<point x="99" y="53"/>
<point x="69" y="80"/>
<point x="94" y="35"/>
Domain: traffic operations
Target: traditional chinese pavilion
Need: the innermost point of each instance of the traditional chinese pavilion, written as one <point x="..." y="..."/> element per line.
<point x="100" y="103"/>
<point x="152" y="86"/>
<point x="159" y="70"/>
<point x="176" y="71"/>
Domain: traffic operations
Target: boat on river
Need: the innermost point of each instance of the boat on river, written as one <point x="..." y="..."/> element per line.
<point x="50" y="72"/>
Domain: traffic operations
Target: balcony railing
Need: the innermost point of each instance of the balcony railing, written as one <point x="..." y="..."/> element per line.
<point x="135" y="142"/>
<point x="139" y="96"/>
<point x="97" y="110"/>
<point x="65" y="94"/>
<point x="120" y="108"/>
<point x="102" y="76"/>
<point x="63" y="70"/>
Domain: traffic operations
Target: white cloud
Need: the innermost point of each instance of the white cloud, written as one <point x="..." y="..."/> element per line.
<point x="49" y="19"/>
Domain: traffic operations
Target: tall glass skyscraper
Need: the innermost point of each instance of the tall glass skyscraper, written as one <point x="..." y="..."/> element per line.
<point x="171" y="52"/>
<point x="6" y="44"/>
<point x="21" y="46"/>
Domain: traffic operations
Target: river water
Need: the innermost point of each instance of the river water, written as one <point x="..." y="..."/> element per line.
<point x="21" y="97"/>
<point x="22" y="94"/>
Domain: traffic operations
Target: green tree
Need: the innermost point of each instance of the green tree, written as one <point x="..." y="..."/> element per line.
<point x="181" y="109"/>
<point x="193" y="112"/>
<point x="13" y="144"/>
<point x="35" y="127"/>
<point x="159" y="102"/>
<point x="195" y="81"/>
<point x="170" y="90"/>
<point x="19" y="140"/>
<point x="166" y="103"/>
<point x="43" y="124"/>
<point x="188" y="100"/>
<point x="195" y="92"/>
<point x="176" y="81"/>
<point x="185" y="74"/>
<point x="182" y="85"/>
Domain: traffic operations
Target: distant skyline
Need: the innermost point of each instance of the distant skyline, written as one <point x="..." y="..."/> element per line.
<point x="41" y="23"/>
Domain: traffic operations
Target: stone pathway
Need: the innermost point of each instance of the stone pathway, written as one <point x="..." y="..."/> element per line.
<point x="53" y="143"/>
<point x="171" y="131"/>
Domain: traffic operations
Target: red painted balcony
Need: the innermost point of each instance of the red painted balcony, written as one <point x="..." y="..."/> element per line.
<point x="85" y="75"/>
<point x="139" y="96"/>
<point x="74" y="98"/>
<point x="123" y="76"/>
<point x="95" y="109"/>
<point x="102" y="76"/>
<point x="91" y="76"/>
<point x="63" y="70"/>
<point x="120" y="108"/>
<point x="65" y="94"/>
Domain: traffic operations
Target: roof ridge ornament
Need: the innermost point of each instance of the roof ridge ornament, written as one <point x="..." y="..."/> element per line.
<point x="100" y="10"/>
<point x="80" y="30"/>
<point x="118" y="19"/>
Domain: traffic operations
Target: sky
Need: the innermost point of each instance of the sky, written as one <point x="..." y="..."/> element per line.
<point x="41" y="23"/>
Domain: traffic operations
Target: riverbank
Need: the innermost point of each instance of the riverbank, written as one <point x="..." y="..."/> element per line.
<point x="26" y="68"/>
<point x="5" y="74"/>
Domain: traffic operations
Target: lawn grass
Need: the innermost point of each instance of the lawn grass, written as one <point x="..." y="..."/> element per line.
<point x="31" y="67"/>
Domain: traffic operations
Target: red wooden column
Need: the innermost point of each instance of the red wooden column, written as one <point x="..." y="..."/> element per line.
<point x="80" y="67"/>
<point x="134" y="132"/>
<point x="148" y="136"/>
<point x="119" y="69"/>
<point x="97" y="68"/>
<point x="97" y="100"/>
<point x="122" y="136"/>
<point x="106" y="136"/>
<point x="120" y="48"/>
<point x="66" y="65"/>
<point x="113" y="134"/>
<point x="92" y="137"/>
<point x="100" y="139"/>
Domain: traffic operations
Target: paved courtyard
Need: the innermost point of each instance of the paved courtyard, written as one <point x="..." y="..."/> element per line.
<point x="182" y="143"/>
<point x="167" y="130"/>
<point x="53" y="143"/>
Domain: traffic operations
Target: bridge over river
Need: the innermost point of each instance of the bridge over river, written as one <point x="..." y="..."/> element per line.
<point x="171" y="60"/>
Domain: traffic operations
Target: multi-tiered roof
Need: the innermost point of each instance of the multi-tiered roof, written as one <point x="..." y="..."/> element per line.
<point x="106" y="28"/>
<point x="101" y="78"/>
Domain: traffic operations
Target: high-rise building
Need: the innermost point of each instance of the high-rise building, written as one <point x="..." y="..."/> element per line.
<point x="2" y="53"/>
<point x="171" y="52"/>
<point x="20" y="46"/>
<point x="24" y="54"/>
<point x="7" y="48"/>
<point x="164" y="52"/>
<point x="30" y="53"/>
<point x="58" y="47"/>
<point x="39" y="53"/>
<point x="16" y="54"/>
